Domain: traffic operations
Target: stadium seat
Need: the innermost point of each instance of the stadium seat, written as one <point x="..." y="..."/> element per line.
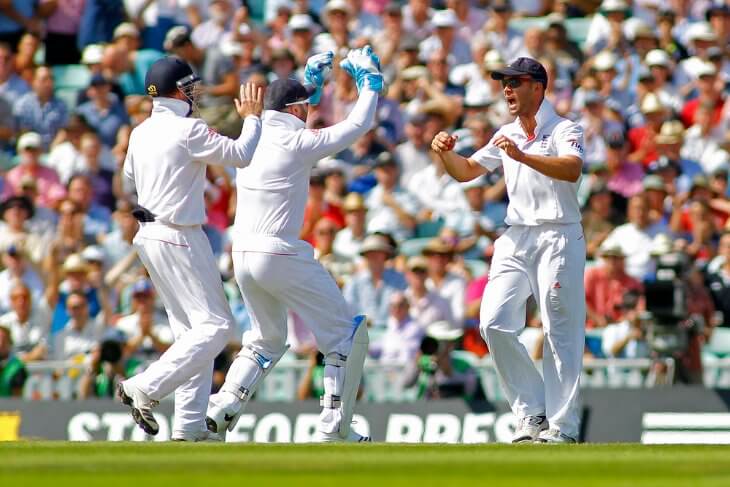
<point x="413" y="246"/>
<point x="69" y="96"/>
<point x="74" y="76"/>
<point x="719" y="344"/>
<point x="257" y="10"/>
<point x="476" y="267"/>
<point x="429" y="229"/>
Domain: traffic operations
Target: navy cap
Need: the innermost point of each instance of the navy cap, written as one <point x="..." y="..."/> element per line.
<point x="283" y="92"/>
<point x="523" y="66"/>
<point x="164" y="75"/>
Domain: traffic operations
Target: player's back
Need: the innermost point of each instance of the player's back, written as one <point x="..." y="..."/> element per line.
<point x="272" y="191"/>
<point x="168" y="182"/>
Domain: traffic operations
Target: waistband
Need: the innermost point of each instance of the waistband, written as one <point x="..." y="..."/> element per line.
<point x="168" y="225"/>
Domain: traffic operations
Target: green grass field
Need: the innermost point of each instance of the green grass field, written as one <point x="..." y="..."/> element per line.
<point x="47" y="464"/>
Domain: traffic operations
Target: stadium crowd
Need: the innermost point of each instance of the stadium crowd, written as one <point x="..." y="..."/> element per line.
<point x="410" y="247"/>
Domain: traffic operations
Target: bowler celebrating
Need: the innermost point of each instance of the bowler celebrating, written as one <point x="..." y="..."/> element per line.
<point x="166" y="161"/>
<point x="541" y="254"/>
<point x="275" y="269"/>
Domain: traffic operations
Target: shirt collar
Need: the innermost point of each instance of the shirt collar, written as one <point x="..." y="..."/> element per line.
<point x="287" y="120"/>
<point x="544" y="114"/>
<point x="170" y="105"/>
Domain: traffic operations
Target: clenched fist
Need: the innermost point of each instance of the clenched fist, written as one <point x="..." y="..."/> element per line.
<point x="443" y="142"/>
<point x="251" y="101"/>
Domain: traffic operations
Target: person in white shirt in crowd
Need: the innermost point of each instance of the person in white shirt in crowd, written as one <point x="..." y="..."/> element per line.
<point x="167" y="162"/>
<point x="402" y="338"/>
<point x="439" y="193"/>
<point x="542" y="253"/>
<point x="363" y="24"/>
<point x="349" y="240"/>
<point x="635" y="238"/>
<point x="392" y="209"/>
<point x="211" y="32"/>
<point x="450" y="286"/>
<point x="412" y="154"/>
<point x="29" y="323"/>
<point x="17" y="268"/>
<point x="148" y="334"/>
<point x="417" y="18"/>
<point x="275" y="269"/>
<point x="662" y="67"/>
<point x="81" y="334"/>
<point x="499" y="34"/>
<point x="479" y="224"/>
<point x="16" y="228"/>
<point x="445" y="38"/>
<point x="471" y="18"/>
<point x="427" y="307"/>
<point x="627" y="338"/>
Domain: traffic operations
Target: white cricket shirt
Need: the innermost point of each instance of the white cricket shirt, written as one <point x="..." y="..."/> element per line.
<point x="167" y="158"/>
<point x="272" y="191"/>
<point x="533" y="197"/>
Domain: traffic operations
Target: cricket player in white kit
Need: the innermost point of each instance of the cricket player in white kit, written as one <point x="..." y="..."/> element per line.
<point x="166" y="161"/>
<point x="541" y="254"/>
<point x="276" y="270"/>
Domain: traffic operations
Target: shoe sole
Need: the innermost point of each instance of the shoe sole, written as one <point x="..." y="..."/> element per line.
<point x="136" y="413"/>
<point x="211" y="424"/>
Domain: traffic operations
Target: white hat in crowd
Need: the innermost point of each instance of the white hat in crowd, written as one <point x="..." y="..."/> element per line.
<point x="92" y="54"/>
<point x="604" y="61"/>
<point x="301" y="22"/>
<point x="444" y="18"/>
<point x="29" y="140"/>
<point x="700" y="31"/>
<point x="657" y="57"/>
<point x="125" y="29"/>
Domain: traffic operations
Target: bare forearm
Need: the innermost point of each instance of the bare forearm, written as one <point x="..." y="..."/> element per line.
<point x="461" y="168"/>
<point x="563" y="168"/>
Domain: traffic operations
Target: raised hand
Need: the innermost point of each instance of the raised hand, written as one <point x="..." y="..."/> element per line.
<point x="316" y="72"/>
<point x="443" y="142"/>
<point x="363" y="65"/>
<point x="250" y="101"/>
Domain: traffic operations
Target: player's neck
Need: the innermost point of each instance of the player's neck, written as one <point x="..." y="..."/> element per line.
<point x="528" y="120"/>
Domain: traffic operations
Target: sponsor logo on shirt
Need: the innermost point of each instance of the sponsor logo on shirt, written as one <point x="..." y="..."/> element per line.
<point x="544" y="142"/>
<point x="576" y="145"/>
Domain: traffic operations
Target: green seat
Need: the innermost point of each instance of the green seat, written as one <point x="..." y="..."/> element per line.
<point x="413" y="246"/>
<point x="476" y="267"/>
<point x="75" y="76"/>
<point x="69" y="96"/>
<point x="719" y="344"/>
<point x="429" y="229"/>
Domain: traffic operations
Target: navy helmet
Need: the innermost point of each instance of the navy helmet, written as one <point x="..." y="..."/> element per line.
<point x="169" y="74"/>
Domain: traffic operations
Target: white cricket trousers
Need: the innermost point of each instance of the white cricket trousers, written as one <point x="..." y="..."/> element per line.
<point x="183" y="269"/>
<point x="272" y="283"/>
<point x="547" y="261"/>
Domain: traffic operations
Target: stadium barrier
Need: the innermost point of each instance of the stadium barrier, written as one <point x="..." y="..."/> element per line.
<point x="663" y="415"/>
<point x="384" y="382"/>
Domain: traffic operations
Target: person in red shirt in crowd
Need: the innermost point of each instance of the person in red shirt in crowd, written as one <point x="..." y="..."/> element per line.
<point x="318" y="207"/>
<point x="685" y="214"/>
<point x="605" y="287"/>
<point x="709" y="88"/>
<point x="472" y="341"/>
<point x="642" y="139"/>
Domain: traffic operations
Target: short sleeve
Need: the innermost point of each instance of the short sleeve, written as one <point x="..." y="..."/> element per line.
<point x="568" y="140"/>
<point x="488" y="156"/>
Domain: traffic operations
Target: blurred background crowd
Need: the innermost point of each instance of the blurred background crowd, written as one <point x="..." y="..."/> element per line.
<point x="647" y="80"/>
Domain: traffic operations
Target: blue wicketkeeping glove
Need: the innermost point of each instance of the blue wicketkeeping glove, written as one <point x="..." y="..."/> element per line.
<point x="363" y="65"/>
<point x="316" y="71"/>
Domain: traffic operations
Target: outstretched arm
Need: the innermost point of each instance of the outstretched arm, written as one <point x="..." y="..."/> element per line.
<point x="458" y="167"/>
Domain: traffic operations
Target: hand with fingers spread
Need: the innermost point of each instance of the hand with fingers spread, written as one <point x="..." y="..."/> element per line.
<point x="509" y="147"/>
<point x="251" y="100"/>
<point x="443" y="142"/>
<point x="316" y="72"/>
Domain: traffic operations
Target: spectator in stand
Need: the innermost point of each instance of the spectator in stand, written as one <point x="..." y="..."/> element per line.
<point x="643" y="138"/>
<point x="29" y="323"/>
<point x="440" y="195"/>
<point x="606" y="285"/>
<point x="635" y="237"/>
<point x="369" y="291"/>
<point x="401" y="341"/>
<point x="12" y="369"/>
<point x="324" y="236"/>
<point x="709" y="94"/>
<point x="627" y="337"/>
<point x="17" y="268"/>
<point x="12" y="86"/>
<point x="656" y="197"/>
<point x="104" y="112"/>
<point x="50" y="190"/>
<point x="97" y="218"/>
<point x="427" y="307"/>
<point x="719" y="281"/>
<point x="100" y="178"/>
<point x="412" y="155"/>
<point x="62" y="26"/>
<point x="81" y="333"/>
<point x="16" y="211"/>
<point x="349" y="240"/>
<point x="439" y="255"/>
<point x="39" y="110"/>
<point x="446" y="39"/>
<point x="391" y="208"/>
<point x="317" y="207"/>
<point x="18" y="17"/>
<point x="498" y="32"/>
<point x="598" y="218"/>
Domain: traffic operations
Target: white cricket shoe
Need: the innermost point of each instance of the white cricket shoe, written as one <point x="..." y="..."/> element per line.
<point x="528" y="428"/>
<point x="554" y="435"/>
<point x="352" y="437"/>
<point x="195" y="436"/>
<point x="141" y="406"/>
<point x="223" y="410"/>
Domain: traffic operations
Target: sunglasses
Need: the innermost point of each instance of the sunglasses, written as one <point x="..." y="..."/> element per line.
<point x="514" y="82"/>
